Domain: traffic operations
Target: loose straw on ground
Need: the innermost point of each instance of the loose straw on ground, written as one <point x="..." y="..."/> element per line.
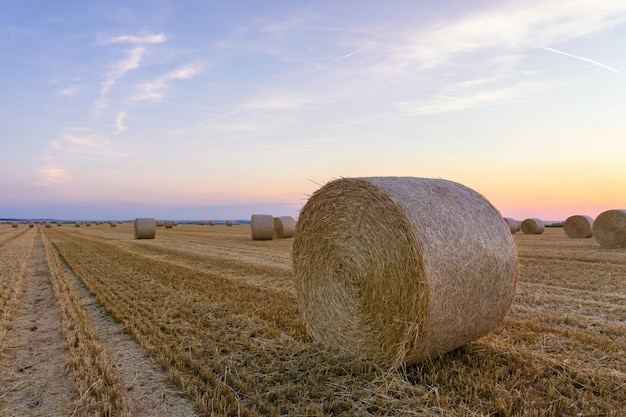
<point x="609" y="229"/>
<point x="399" y="269"/>
<point x="145" y="228"/>
<point x="578" y="226"/>
<point x="284" y="226"/>
<point x="533" y="227"/>
<point x="262" y="226"/>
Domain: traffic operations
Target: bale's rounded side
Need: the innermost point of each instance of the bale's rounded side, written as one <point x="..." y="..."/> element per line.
<point x="262" y="226"/>
<point x="113" y="224"/>
<point x="399" y="269"/>
<point x="169" y="224"/>
<point x="578" y="226"/>
<point x="77" y="224"/>
<point x="284" y="226"/>
<point x="514" y="225"/>
<point x="145" y="228"/>
<point x="533" y="227"/>
<point x="609" y="229"/>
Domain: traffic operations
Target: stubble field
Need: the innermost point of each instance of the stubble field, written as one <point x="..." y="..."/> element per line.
<point x="204" y="321"/>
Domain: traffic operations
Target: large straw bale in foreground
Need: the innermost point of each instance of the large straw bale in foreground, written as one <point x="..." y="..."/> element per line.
<point x="145" y="228"/>
<point x="533" y="227"/>
<point x="578" y="226"/>
<point x="609" y="229"/>
<point x="284" y="226"/>
<point x="514" y="225"/>
<point x="399" y="269"/>
<point x="262" y="226"/>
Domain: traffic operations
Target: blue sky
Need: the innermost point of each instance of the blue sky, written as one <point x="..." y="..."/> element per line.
<point x="207" y="109"/>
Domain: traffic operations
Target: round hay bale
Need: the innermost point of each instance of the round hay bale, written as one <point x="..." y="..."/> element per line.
<point x="578" y="226"/>
<point x="609" y="229"/>
<point x="400" y="269"/>
<point x="77" y="224"/>
<point x="48" y="225"/>
<point x="229" y="222"/>
<point x="284" y="226"/>
<point x="13" y="224"/>
<point x="145" y="228"/>
<point x="211" y="223"/>
<point x="262" y="226"/>
<point x="533" y="227"/>
<point x="514" y="225"/>
<point x="169" y="224"/>
<point x="31" y="224"/>
<point x="59" y="224"/>
<point x="160" y="223"/>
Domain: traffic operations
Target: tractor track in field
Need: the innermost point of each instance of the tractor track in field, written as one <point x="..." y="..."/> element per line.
<point x="36" y="378"/>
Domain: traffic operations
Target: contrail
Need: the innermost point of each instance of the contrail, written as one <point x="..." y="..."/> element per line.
<point x="582" y="59"/>
<point x="332" y="61"/>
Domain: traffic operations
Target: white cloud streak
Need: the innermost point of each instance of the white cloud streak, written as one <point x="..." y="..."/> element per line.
<point x="148" y="39"/>
<point x="154" y="91"/>
<point x="591" y="61"/>
<point x="119" y="123"/>
<point x="131" y="62"/>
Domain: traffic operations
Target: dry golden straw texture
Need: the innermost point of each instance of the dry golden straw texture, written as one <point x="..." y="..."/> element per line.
<point x="284" y="226"/>
<point x="533" y="227"/>
<point x="262" y="226"/>
<point x="609" y="229"/>
<point x="399" y="269"/>
<point x="169" y="224"/>
<point x="578" y="226"/>
<point x="514" y="225"/>
<point x="145" y="228"/>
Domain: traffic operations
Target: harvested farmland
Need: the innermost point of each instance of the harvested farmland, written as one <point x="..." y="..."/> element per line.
<point x="218" y="311"/>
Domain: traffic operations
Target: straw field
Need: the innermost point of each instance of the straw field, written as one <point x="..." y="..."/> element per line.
<point x="218" y="312"/>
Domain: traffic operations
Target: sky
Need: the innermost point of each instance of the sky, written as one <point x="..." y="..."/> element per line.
<point x="220" y="110"/>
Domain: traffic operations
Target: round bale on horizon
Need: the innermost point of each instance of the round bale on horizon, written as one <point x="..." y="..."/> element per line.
<point x="514" y="225"/>
<point x="533" y="227"/>
<point x="609" y="229"/>
<point x="284" y="226"/>
<point x="145" y="228"/>
<point x="262" y="226"/>
<point x="400" y="269"/>
<point x="578" y="226"/>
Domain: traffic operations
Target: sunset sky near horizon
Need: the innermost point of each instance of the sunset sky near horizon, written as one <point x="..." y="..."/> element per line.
<point x="219" y="110"/>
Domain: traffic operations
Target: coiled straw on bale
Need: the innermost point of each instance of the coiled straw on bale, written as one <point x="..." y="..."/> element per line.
<point x="262" y="226"/>
<point x="284" y="226"/>
<point x="514" y="225"/>
<point x="609" y="229"/>
<point x="533" y="227"/>
<point x="578" y="226"/>
<point x="145" y="228"/>
<point x="399" y="269"/>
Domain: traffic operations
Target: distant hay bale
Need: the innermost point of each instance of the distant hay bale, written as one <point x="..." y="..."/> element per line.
<point x="400" y="269"/>
<point x="284" y="226"/>
<point x="113" y="224"/>
<point x="77" y="224"/>
<point x="514" y="225"/>
<point x="609" y="229"/>
<point x="262" y="226"/>
<point x="31" y="224"/>
<point x="211" y="223"/>
<point x="533" y="227"/>
<point x="48" y="224"/>
<point x="169" y="224"/>
<point x="160" y="223"/>
<point x="145" y="228"/>
<point x="87" y="224"/>
<point x="229" y="222"/>
<point x="201" y="223"/>
<point x="578" y="226"/>
<point x="13" y="224"/>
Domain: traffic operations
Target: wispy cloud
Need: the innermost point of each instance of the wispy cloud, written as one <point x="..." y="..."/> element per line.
<point x="54" y="174"/>
<point x="81" y="143"/>
<point x="119" y="123"/>
<point x="70" y="91"/>
<point x="154" y="90"/>
<point x="147" y="39"/>
<point x="446" y="102"/>
<point x="608" y="67"/>
<point x="131" y="62"/>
